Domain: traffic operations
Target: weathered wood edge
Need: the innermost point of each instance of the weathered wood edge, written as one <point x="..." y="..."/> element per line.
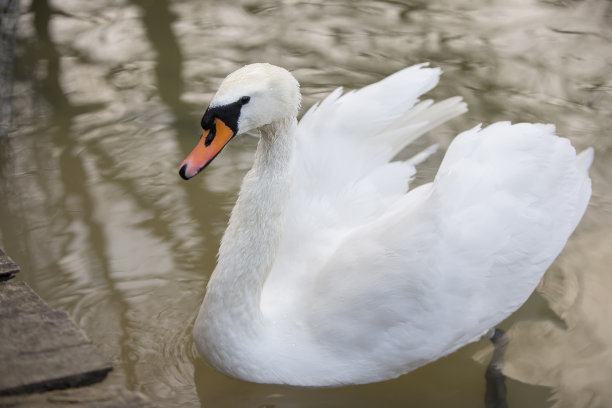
<point x="8" y="267"/>
<point x="89" y="397"/>
<point x="73" y="381"/>
<point x="42" y="348"/>
<point x="59" y="392"/>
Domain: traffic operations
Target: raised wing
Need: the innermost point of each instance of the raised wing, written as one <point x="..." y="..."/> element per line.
<point x="343" y="176"/>
<point x="453" y="258"/>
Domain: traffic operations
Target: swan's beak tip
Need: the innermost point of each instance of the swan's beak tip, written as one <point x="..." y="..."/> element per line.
<point x="182" y="172"/>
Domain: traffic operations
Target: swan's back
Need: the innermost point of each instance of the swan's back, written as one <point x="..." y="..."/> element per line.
<point x="452" y="258"/>
<point x="370" y="281"/>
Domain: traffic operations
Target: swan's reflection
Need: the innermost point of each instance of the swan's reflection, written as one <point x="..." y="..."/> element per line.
<point x="572" y="352"/>
<point x="454" y="381"/>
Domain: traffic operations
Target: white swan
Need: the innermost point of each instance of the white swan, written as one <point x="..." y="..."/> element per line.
<point x="330" y="273"/>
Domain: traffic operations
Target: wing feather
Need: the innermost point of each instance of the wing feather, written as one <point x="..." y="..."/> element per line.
<point x="453" y="258"/>
<point x="343" y="176"/>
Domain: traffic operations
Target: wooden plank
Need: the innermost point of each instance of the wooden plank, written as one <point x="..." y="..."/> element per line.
<point x="16" y="298"/>
<point x="89" y="397"/>
<point x="42" y="349"/>
<point x="8" y="268"/>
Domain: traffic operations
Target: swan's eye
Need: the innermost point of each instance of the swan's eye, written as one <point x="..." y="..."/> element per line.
<point x="245" y="99"/>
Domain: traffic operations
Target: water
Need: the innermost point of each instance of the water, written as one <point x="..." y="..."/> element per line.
<point x="108" y="97"/>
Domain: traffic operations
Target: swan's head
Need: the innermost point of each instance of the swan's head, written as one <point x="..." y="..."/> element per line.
<point x="251" y="97"/>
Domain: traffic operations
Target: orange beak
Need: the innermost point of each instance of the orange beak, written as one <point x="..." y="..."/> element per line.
<point x="209" y="146"/>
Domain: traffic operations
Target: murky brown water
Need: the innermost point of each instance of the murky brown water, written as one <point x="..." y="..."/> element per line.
<point x="107" y="103"/>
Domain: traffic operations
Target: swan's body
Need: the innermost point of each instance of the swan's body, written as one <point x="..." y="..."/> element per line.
<point x="330" y="273"/>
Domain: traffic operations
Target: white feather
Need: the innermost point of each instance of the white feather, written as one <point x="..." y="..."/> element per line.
<point x="331" y="273"/>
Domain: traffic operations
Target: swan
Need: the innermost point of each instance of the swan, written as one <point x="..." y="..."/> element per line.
<point x="331" y="272"/>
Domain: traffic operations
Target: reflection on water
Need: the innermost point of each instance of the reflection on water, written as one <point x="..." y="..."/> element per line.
<point x="107" y="103"/>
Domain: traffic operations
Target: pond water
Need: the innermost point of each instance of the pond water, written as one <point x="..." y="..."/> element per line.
<point x="107" y="101"/>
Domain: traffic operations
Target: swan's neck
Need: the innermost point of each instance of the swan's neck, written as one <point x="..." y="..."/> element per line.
<point x="249" y="245"/>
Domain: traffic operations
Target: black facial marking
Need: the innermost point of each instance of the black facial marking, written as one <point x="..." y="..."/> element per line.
<point x="211" y="135"/>
<point x="245" y="99"/>
<point x="229" y="114"/>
